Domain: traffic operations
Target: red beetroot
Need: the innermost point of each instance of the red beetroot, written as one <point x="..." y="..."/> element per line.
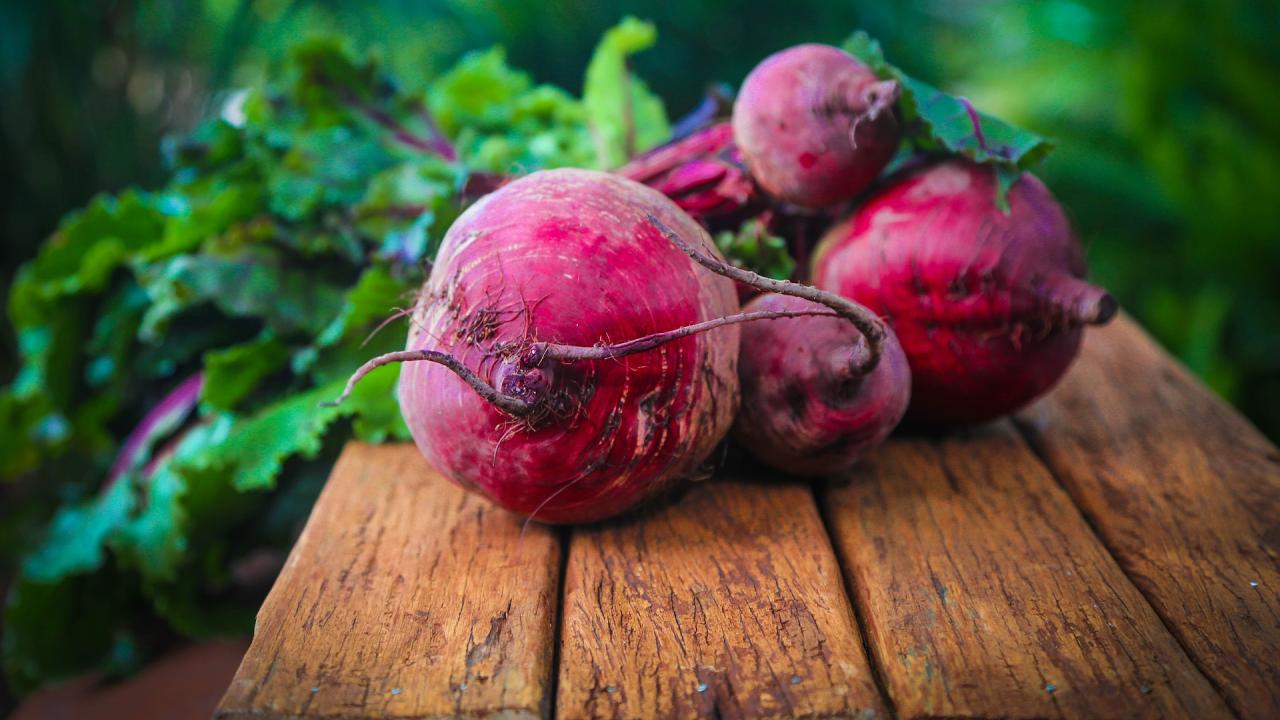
<point x="702" y="173"/>
<point x="569" y="257"/>
<point x="559" y="359"/>
<point x="988" y="305"/>
<point x="815" y="125"/>
<point x="807" y="408"/>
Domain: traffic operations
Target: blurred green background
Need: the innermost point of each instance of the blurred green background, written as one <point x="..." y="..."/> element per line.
<point x="1167" y="115"/>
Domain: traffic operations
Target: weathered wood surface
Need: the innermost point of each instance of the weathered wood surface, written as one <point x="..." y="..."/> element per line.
<point x="728" y="603"/>
<point x="1186" y="495"/>
<point x="404" y="597"/>
<point x="985" y="594"/>
<point x="983" y="588"/>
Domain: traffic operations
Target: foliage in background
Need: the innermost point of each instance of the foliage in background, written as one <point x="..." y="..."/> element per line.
<point x="215" y="315"/>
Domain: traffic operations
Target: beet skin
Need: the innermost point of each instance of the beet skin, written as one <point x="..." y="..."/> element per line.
<point x="806" y="408"/>
<point x="988" y="306"/>
<point x="814" y="125"/>
<point x="570" y="257"/>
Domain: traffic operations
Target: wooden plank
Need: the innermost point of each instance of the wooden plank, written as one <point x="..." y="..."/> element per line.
<point x="985" y="594"/>
<point x="404" y="597"/>
<point x="728" y="603"/>
<point x="1185" y="493"/>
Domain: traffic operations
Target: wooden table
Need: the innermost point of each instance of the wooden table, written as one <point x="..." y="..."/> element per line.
<point x="1110" y="552"/>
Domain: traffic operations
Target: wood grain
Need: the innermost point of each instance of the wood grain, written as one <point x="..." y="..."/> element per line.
<point x="404" y="597"/>
<point x="1185" y="493"/>
<point x="727" y="604"/>
<point x="985" y="594"/>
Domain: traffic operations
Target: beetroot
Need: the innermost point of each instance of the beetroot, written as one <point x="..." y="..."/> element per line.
<point x="703" y="173"/>
<point x="806" y="407"/>
<point x="569" y="257"/>
<point x="559" y="359"/>
<point x="988" y="305"/>
<point x="815" y="125"/>
<point x="819" y="387"/>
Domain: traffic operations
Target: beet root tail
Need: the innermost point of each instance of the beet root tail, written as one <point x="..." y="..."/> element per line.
<point x="1078" y="301"/>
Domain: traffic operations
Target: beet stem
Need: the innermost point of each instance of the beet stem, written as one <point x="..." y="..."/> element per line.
<point x="871" y="327"/>
<point x="570" y="353"/>
<point x="880" y="97"/>
<point x="160" y="421"/>
<point x="512" y="406"/>
<point x="976" y="121"/>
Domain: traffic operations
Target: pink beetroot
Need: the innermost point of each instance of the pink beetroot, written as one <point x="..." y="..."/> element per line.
<point x="560" y="359"/>
<point x="814" y="125"/>
<point x="807" y="407"/>
<point x="988" y="305"/>
<point x="568" y="257"/>
<point x="703" y="174"/>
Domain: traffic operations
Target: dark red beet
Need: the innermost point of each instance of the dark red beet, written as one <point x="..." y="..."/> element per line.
<point x="988" y="306"/>
<point x="807" y="409"/>
<point x="815" y="125"/>
<point x="702" y="173"/>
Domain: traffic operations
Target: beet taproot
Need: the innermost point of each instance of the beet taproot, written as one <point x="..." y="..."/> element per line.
<point x="568" y="257"/>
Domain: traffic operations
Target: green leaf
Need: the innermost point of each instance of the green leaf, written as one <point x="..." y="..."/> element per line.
<point x="327" y="79"/>
<point x="256" y="447"/>
<point x="625" y="116"/>
<point x="205" y="208"/>
<point x="77" y="536"/>
<point x="182" y="504"/>
<point x="156" y="539"/>
<point x="374" y="298"/>
<point x="50" y="308"/>
<point x="500" y="122"/>
<point x="19" y="450"/>
<point x="232" y="373"/>
<point x="331" y="87"/>
<point x="409" y="207"/>
<point x="752" y="246"/>
<point x="81" y="257"/>
<point x="253" y="284"/>
<point x="324" y="168"/>
<point x="478" y="92"/>
<point x="938" y="122"/>
<point x="114" y="336"/>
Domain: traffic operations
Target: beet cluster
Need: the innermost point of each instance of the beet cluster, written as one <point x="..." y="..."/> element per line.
<point x="579" y="346"/>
